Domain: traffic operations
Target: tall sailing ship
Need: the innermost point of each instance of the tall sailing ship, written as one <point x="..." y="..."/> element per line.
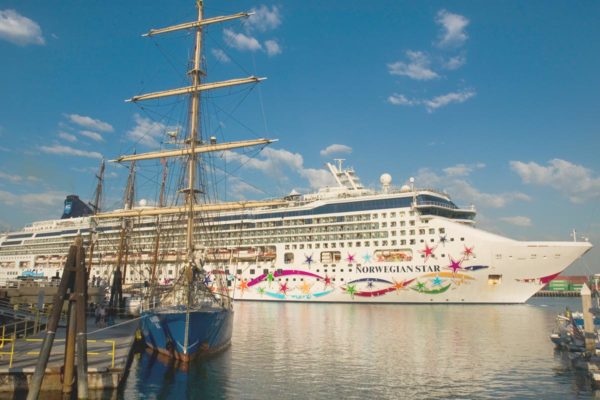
<point x="343" y="243"/>
<point x="193" y="315"/>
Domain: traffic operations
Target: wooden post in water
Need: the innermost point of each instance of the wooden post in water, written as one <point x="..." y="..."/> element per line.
<point x="588" y="320"/>
<point x="69" y="360"/>
<point x="81" y="303"/>
<point x="52" y="324"/>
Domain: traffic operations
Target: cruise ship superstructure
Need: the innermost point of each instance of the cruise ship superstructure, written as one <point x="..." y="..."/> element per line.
<point x="344" y="243"/>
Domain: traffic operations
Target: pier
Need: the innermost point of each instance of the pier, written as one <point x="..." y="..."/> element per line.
<point x="109" y="352"/>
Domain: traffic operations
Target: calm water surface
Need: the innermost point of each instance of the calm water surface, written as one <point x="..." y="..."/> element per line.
<point x="356" y="351"/>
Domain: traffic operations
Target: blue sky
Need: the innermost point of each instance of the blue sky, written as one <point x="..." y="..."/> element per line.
<point x="496" y="102"/>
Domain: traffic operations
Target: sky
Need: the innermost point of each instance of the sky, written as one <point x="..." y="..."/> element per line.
<point x="494" y="102"/>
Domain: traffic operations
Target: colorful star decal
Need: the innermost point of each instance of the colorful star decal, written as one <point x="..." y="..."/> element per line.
<point x="283" y="288"/>
<point x="367" y="258"/>
<point x="207" y="280"/>
<point x="436" y="281"/>
<point x="261" y="291"/>
<point x="327" y="281"/>
<point x="305" y="287"/>
<point x="350" y="258"/>
<point x="468" y="252"/>
<point x="399" y="285"/>
<point x="370" y="284"/>
<point x="270" y="278"/>
<point x="351" y="289"/>
<point x="243" y="286"/>
<point x="443" y="240"/>
<point x="420" y="286"/>
<point x="308" y="260"/>
<point x="454" y="265"/>
<point x="427" y="252"/>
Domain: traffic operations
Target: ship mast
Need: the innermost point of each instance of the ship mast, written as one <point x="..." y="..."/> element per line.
<point x="192" y="147"/>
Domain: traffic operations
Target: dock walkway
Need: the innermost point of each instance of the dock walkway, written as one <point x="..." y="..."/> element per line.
<point x="109" y="353"/>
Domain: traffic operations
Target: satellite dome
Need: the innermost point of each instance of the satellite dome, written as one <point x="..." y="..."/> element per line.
<point x="405" y="188"/>
<point x="385" y="179"/>
<point x="143" y="203"/>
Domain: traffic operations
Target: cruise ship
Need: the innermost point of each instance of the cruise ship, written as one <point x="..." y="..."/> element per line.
<point x="343" y="243"/>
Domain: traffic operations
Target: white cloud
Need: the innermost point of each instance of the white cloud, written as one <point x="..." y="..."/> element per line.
<point x="67" y="136"/>
<point x="90" y="123"/>
<point x="574" y="181"/>
<point x="32" y="199"/>
<point x="240" y="41"/>
<point x="462" y="169"/>
<point x="417" y="67"/>
<point x="69" y="151"/>
<point x="401" y="100"/>
<point x="517" y="220"/>
<point x="92" y="135"/>
<point x="9" y="177"/>
<point x="455" y="62"/>
<point x="453" y="29"/>
<point x="317" y="178"/>
<point x="272" y="47"/>
<point x="280" y="164"/>
<point x="463" y="190"/>
<point x="336" y="148"/>
<point x="146" y="132"/>
<point x="444" y="100"/>
<point x="263" y="19"/>
<point x="434" y="103"/>
<point x="18" y="29"/>
<point x="239" y="189"/>
<point x="220" y="55"/>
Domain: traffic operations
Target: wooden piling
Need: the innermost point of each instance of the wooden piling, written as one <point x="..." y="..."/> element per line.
<point x="40" y="367"/>
<point x="81" y="303"/>
<point x="588" y="320"/>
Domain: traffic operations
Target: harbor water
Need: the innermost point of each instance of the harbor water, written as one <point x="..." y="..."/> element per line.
<point x="357" y="351"/>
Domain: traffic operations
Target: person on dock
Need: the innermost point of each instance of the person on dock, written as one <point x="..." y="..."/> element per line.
<point x="102" y="316"/>
<point x="97" y="314"/>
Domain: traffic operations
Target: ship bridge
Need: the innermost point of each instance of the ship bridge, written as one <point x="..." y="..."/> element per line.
<point x="433" y="204"/>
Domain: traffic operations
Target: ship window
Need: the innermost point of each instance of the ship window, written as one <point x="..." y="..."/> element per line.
<point x="170" y="272"/>
<point x="411" y="223"/>
<point x="498" y="256"/>
<point x="421" y="231"/>
<point x="393" y="255"/>
<point x="403" y="242"/>
<point x="431" y="231"/>
<point x="238" y="272"/>
<point x="252" y="272"/>
<point x="412" y="232"/>
<point x="266" y="271"/>
<point x="402" y="233"/>
<point x="412" y="241"/>
<point x="330" y="256"/>
<point x="494" y="279"/>
<point x="442" y="230"/>
<point x="462" y="239"/>
<point x="452" y="239"/>
<point x="288" y="258"/>
<point x="384" y="224"/>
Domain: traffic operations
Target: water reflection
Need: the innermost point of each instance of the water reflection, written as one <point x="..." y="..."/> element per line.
<point x="313" y="351"/>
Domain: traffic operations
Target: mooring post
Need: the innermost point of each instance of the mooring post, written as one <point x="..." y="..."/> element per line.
<point x="588" y="320"/>
<point x="51" y="325"/>
<point x="81" y="303"/>
<point x="69" y="360"/>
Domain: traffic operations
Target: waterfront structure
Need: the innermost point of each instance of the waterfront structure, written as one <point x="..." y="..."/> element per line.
<point x="344" y="243"/>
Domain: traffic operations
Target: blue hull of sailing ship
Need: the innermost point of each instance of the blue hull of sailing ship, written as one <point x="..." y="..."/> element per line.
<point x="209" y="331"/>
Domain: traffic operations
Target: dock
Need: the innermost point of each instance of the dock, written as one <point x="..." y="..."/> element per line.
<point x="110" y="350"/>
